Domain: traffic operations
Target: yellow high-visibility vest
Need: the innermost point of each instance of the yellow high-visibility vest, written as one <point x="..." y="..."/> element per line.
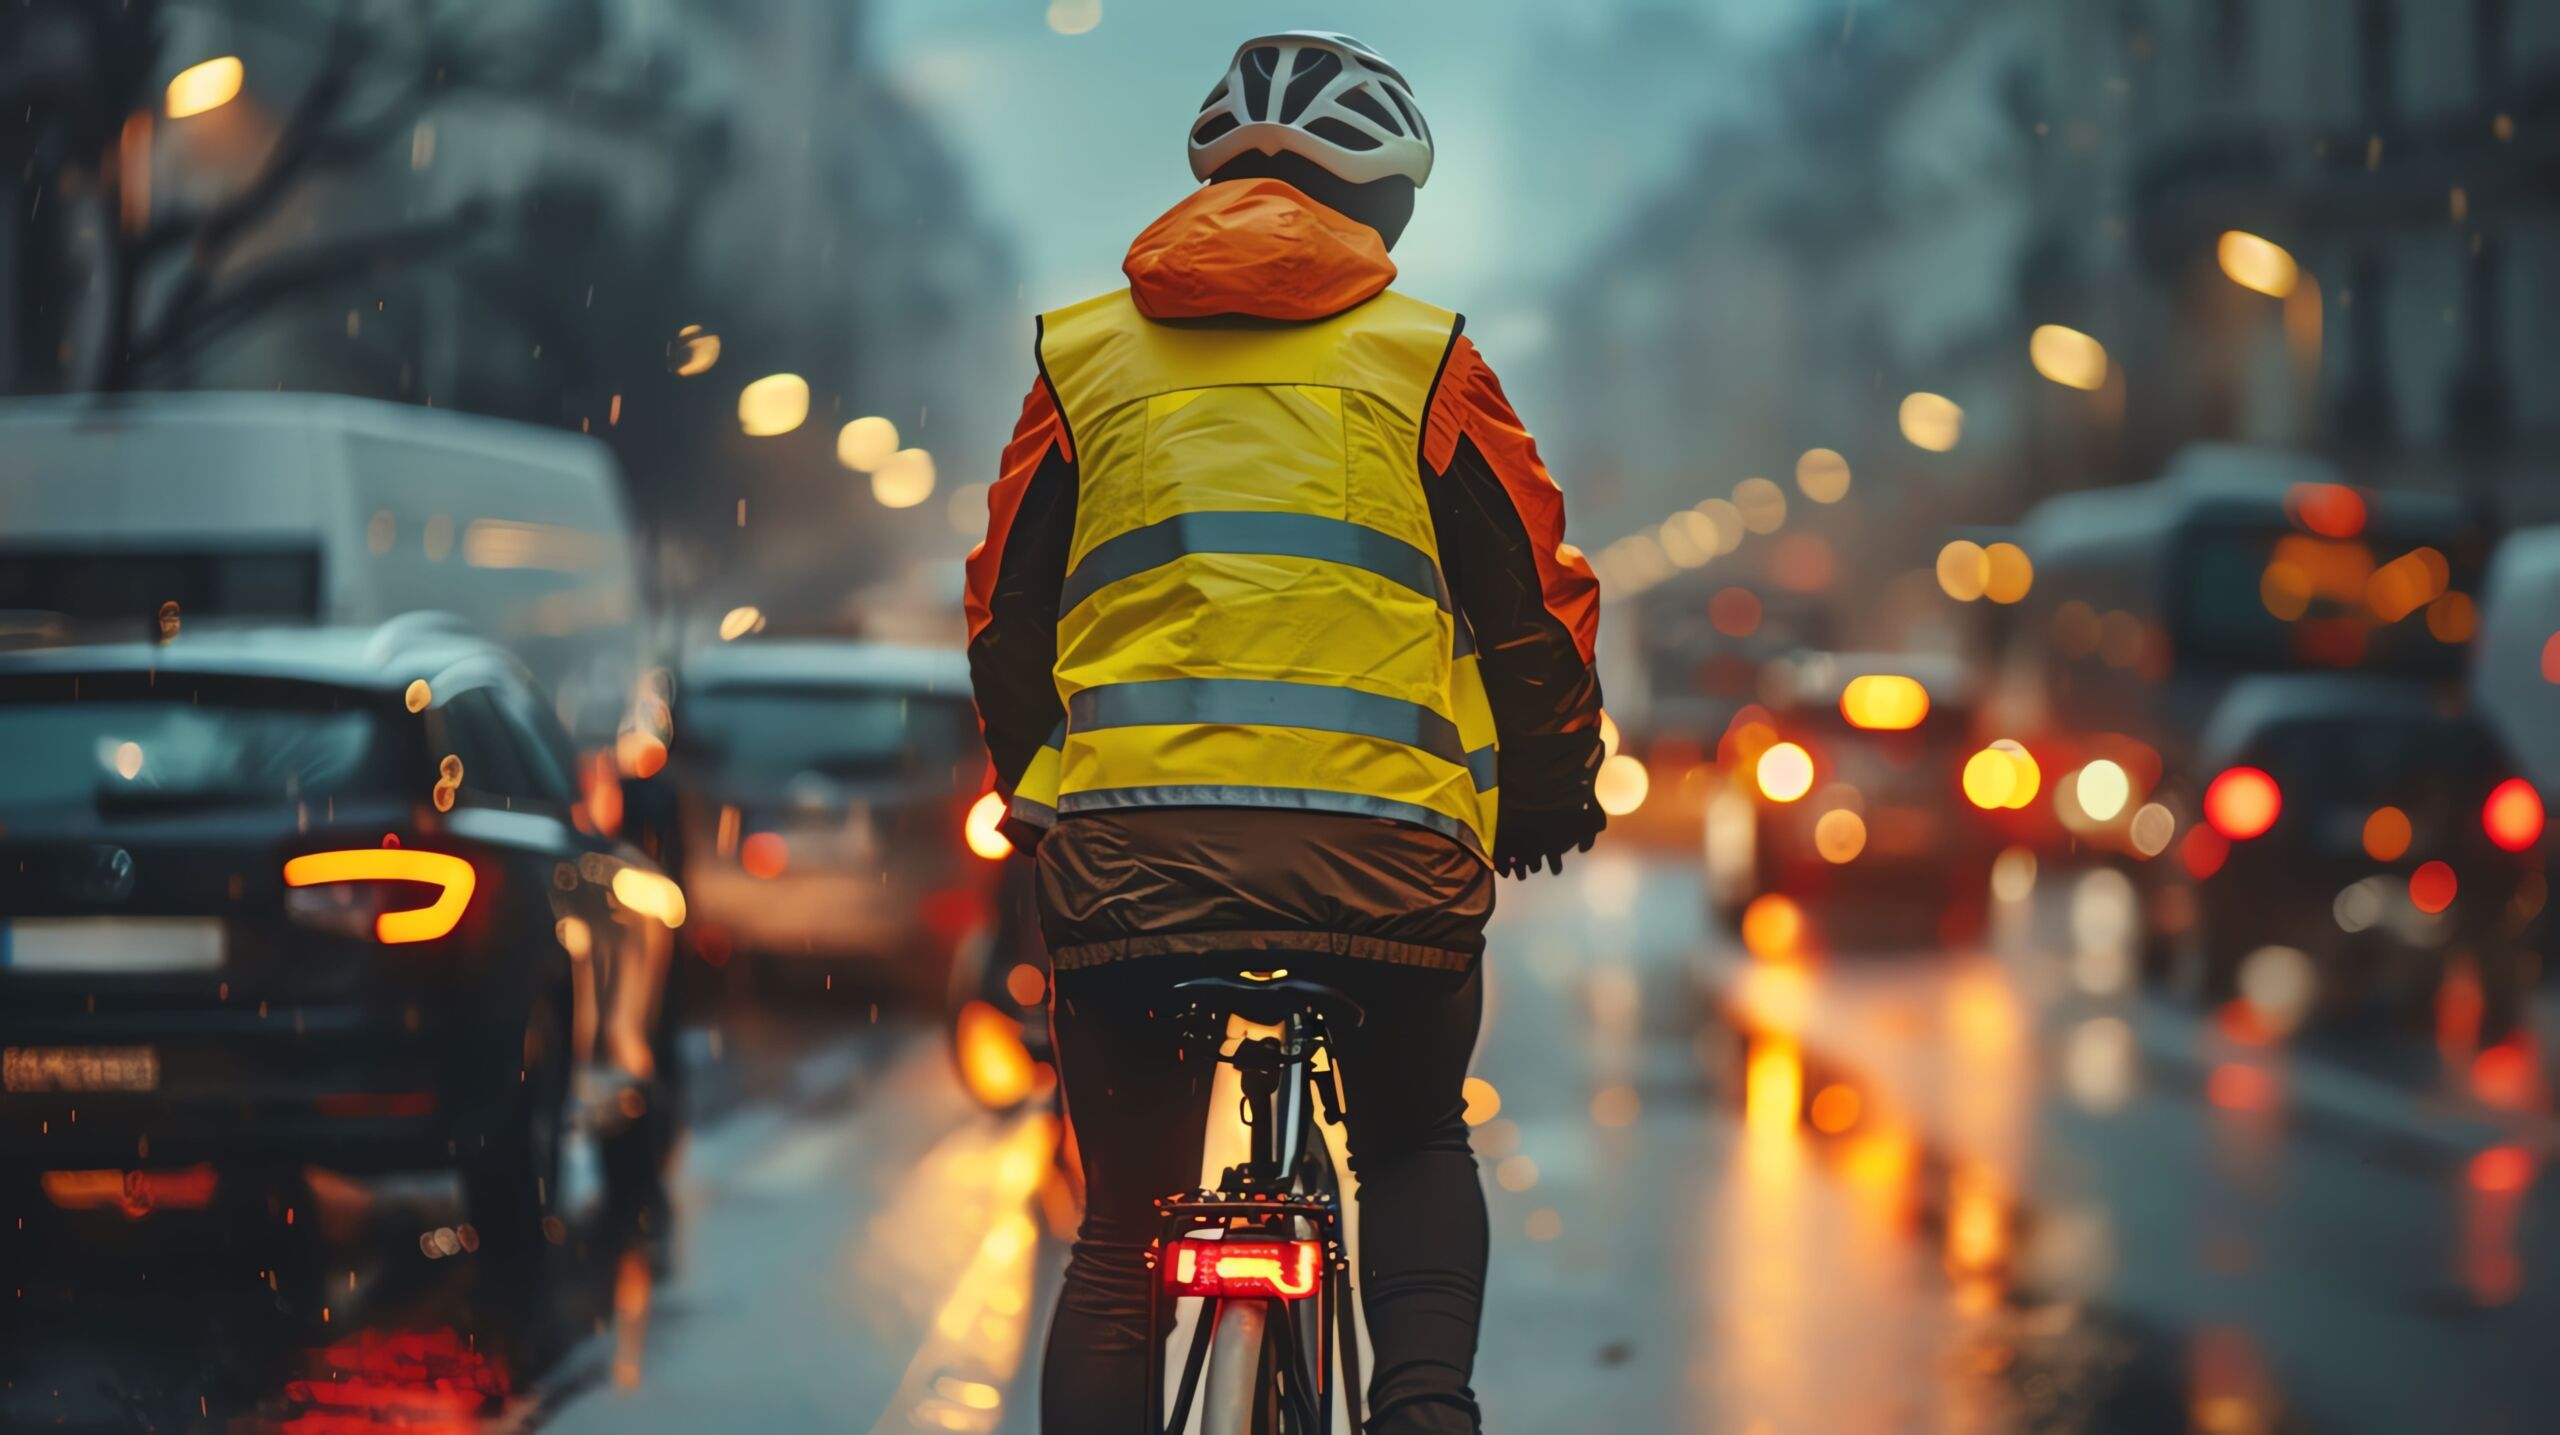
<point x="1254" y="613"/>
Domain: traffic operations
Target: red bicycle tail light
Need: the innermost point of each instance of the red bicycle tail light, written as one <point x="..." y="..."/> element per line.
<point x="1270" y="1270"/>
<point x="352" y="892"/>
<point x="2513" y="815"/>
<point x="2242" y="803"/>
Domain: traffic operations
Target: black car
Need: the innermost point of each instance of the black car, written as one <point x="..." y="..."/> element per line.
<point x="2377" y="826"/>
<point x="313" y="898"/>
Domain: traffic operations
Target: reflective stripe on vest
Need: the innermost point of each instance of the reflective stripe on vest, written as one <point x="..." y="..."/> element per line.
<point x="1254" y="613"/>
<point x="1278" y="535"/>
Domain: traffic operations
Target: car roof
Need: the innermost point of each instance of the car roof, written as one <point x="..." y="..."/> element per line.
<point x="383" y="658"/>
<point x="2212" y="482"/>
<point x="788" y="662"/>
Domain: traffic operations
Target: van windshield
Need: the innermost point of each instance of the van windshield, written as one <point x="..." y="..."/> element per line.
<point x="127" y="584"/>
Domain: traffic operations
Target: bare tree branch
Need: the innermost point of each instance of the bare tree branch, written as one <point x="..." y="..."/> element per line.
<point x="182" y="333"/>
<point x="303" y="138"/>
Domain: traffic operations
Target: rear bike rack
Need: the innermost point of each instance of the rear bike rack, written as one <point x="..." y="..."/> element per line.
<point x="1253" y="1200"/>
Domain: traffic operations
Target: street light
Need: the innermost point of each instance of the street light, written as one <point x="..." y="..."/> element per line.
<point x="774" y="404"/>
<point x="2254" y="263"/>
<point x="1931" y="421"/>
<point x="2067" y="356"/>
<point x="206" y="85"/>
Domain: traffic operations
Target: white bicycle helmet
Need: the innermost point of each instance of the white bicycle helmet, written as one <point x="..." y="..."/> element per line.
<point x="1319" y="94"/>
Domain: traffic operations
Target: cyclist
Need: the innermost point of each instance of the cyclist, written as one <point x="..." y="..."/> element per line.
<point x="1271" y="572"/>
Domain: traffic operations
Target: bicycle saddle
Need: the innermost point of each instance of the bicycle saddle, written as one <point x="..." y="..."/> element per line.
<point x="1270" y="1003"/>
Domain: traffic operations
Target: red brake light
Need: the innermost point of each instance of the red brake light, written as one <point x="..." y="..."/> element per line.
<point x="2513" y="815"/>
<point x="2432" y="887"/>
<point x="1273" y="1270"/>
<point x="450" y="876"/>
<point x="764" y="855"/>
<point x="2242" y="803"/>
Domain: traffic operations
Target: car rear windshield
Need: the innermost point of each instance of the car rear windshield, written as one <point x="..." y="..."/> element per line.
<point x="2265" y="599"/>
<point x="779" y="733"/>
<point x="116" y="743"/>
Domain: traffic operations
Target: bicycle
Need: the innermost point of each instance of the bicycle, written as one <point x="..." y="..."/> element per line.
<point x="1263" y="1250"/>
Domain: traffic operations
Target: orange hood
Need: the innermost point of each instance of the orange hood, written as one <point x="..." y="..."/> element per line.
<point x="1258" y="247"/>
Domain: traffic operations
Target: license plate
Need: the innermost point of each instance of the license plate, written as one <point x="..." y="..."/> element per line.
<point x="111" y="945"/>
<point x="79" y="1068"/>
<point x="136" y="1193"/>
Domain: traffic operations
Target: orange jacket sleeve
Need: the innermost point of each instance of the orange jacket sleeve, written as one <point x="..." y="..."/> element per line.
<point x="1015" y="575"/>
<point x="1527" y="593"/>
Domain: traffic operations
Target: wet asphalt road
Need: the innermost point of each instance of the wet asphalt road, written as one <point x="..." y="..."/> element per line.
<point x="1923" y="1191"/>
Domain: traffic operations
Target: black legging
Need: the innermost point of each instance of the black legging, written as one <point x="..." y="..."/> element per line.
<point x="1139" y="1115"/>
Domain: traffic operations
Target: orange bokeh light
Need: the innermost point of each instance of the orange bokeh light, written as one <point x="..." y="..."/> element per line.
<point x="1773" y="928"/>
<point x="2237" y="1086"/>
<point x="2386" y="834"/>
<point x="2243" y="802"/>
<point x="764" y="854"/>
<point x="2501" y="1169"/>
<point x="1836" y="1108"/>
<point x="2513" y="815"/>
<point x="2331" y="510"/>
<point x="1735" y="612"/>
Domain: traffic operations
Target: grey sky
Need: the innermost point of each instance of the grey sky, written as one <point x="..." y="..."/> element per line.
<point x="1551" y="119"/>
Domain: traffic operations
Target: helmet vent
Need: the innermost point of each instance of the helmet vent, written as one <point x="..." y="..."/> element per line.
<point x="1412" y="122"/>
<point x="1322" y="96"/>
<point x="1367" y="104"/>
<point x="1307" y="79"/>
<point x="1257" y="68"/>
<point x="1329" y="128"/>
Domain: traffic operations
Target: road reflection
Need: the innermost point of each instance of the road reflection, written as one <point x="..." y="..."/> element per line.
<point x="436" y="1382"/>
<point x="961" y="1242"/>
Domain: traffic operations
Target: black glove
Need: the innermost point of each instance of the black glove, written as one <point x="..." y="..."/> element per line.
<point x="1025" y="836"/>
<point x="1526" y="838"/>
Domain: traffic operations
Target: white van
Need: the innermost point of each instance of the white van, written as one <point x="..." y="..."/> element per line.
<point x="322" y="509"/>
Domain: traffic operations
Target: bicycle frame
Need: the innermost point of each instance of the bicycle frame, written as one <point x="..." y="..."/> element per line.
<point x="1260" y="1198"/>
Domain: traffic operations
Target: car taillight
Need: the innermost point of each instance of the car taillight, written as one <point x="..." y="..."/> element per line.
<point x="1784" y="772"/>
<point x="981" y="828"/>
<point x="1272" y="1270"/>
<point x="2513" y="815"/>
<point x="374" y="891"/>
<point x="2242" y="803"/>
<point x="2432" y="887"/>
